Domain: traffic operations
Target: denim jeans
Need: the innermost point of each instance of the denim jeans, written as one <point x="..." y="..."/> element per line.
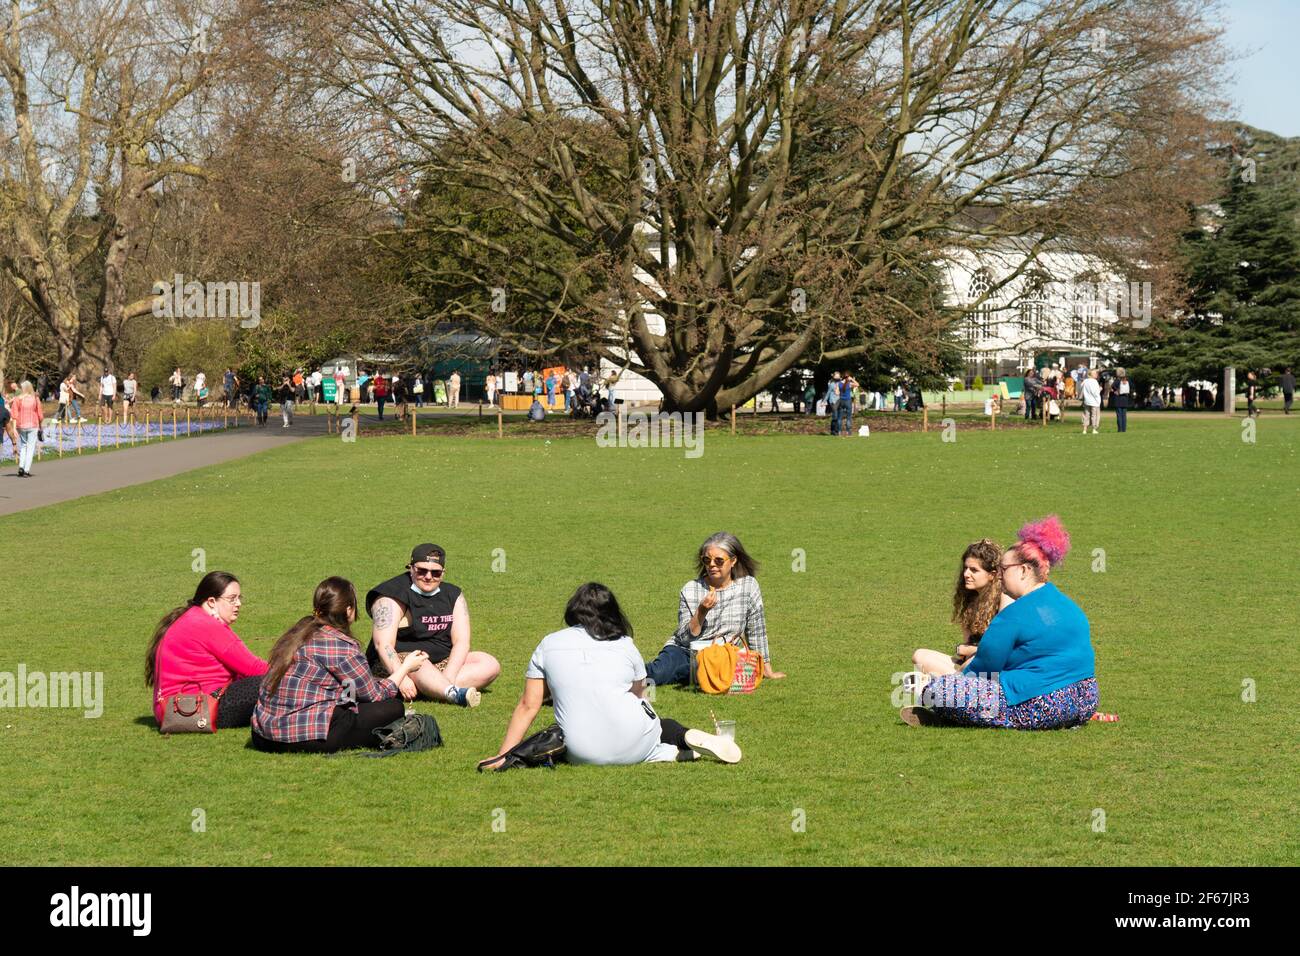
<point x="672" y="666"/>
<point x="26" y="447"/>
<point x="846" y="417"/>
<point x="1121" y="419"/>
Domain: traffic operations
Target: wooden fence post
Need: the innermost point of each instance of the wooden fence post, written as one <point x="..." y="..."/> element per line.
<point x="501" y="431"/>
<point x="733" y="419"/>
<point x="925" y="419"/>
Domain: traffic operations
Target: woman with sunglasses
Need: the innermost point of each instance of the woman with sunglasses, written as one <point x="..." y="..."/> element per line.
<point x="724" y="601"/>
<point x="1035" y="668"/>
<point x="420" y="611"/>
<point x="193" y="647"/>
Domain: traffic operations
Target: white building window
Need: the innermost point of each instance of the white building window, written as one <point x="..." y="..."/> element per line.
<point x="1084" y="318"/>
<point x="1033" y="304"/>
<point x="980" y="322"/>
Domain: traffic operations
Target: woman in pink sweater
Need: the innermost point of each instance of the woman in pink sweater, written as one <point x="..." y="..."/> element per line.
<point x="193" y="648"/>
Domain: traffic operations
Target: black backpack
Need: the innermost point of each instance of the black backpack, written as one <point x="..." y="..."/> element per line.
<point x="409" y="734"/>
<point x="543" y="749"/>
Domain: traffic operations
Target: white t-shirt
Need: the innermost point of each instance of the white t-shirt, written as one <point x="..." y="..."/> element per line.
<point x="129" y="387"/>
<point x="65" y="394"/>
<point x="590" y="683"/>
<point x="199" y="381"/>
<point x="108" y="385"/>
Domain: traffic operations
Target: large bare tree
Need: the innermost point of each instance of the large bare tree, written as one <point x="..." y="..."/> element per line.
<point x="101" y="103"/>
<point x="664" y="143"/>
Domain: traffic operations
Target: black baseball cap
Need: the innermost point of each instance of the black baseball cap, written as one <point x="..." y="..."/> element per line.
<point x="426" y="552"/>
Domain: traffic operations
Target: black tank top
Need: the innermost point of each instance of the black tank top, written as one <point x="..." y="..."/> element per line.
<point x="430" y="616"/>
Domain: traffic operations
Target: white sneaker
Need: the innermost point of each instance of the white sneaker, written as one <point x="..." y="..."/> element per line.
<point x="720" y="748"/>
<point x="1094" y="431"/>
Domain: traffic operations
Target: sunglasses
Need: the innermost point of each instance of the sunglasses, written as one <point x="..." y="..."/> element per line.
<point x="428" y="572"/>
<point x="716" y="562"/>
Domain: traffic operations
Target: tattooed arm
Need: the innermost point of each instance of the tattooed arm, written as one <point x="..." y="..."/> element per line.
<point x="387" y="615"/>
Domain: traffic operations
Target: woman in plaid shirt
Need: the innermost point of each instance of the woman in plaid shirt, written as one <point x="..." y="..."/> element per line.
<point x="319" y="695"/>
<point x="724" y="601"/>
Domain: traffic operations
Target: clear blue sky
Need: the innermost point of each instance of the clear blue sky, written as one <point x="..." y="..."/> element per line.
<point x="1267" y="89"/>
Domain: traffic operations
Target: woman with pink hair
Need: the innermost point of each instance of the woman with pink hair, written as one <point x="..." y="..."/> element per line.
<point x="1035" y="668"/>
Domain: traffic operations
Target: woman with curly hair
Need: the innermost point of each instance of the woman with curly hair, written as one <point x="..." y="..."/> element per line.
<point x="1034" y="668"/>
<point x="978" y="596"/>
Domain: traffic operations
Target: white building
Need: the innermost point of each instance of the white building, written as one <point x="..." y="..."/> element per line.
<point x="1059" y="308"/>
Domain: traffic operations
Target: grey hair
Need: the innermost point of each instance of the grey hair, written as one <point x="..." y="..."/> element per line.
<point x="745" y="566"/>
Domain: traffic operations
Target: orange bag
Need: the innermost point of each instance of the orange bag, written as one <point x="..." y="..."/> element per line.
<point x="726" y="668"/>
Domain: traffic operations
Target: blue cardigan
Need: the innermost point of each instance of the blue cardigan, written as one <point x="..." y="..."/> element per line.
<point x="1038" y="644"/>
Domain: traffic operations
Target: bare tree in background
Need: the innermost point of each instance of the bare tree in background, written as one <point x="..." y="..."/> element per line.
<point x="663" y="144"/>
<point x="101" y="105"/>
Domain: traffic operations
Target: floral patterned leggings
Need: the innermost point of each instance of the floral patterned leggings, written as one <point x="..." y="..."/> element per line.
<point x="968" y="701"/>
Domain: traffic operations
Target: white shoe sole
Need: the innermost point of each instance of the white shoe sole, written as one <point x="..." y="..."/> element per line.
<point x="720" y="748"/>
<point x="472" y="697"/>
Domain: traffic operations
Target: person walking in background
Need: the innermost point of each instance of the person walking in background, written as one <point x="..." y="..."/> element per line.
<point x="1252" y="392"/>
<point x="26" y="412"/>
<point x="1123" y="399"/>
<point x="1032" y="384"/>
<point x="527" y="379"/>
<point x="491" y="387"/>
<point x="262" y="399"/>
<point x="453" y="390"/>
<point x="847" y="388"/>
<point x="833" y="402"/>
<point x="130" y="391"/>
<point x="810" y="399"/>
<point x="418" y="389"/>
<point x="107" y="394"/>
<point x="7" y="426"/>
<point x="286" y="402"/>
<point x="1091" y="393"/>
<point x="65" y="399"/>
<point x="550" y="390"/>
<point x="381" y="393"/>
<point x="178" y="385"/>
<point x="340" y="386"/>
<point x="228" y="387"/>
<point x="1288" y="390"/>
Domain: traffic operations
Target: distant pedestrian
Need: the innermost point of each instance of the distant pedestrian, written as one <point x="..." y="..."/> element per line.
<point x="453" y="390"/>
<point x="1288" y="390"/>
<point x="228" y="392"/>
<point x="286" y="402"/>
<point x="262" y="399"/>
<point x="491" y="386"/>
<point x="200" y="389"/>
<point x="528" y="381"/>
<point x="810" y="399"/>
<point x="1091" y="393"/>
<point x="130" y="392"/>
<point x="178" y="386"/>
<point x="340" y="385"/>
<point x="381" y="393"/>
<point x="550" y="390"/>
<point x="1123" y="399"/>
<point x="833" y="402"/>
<point x="65" y="399"/>
<point x="847" y="387"/>
<point x="899" y="397"/>
<point x="1252" y="393"/>
<point x="418" y="389"/>
<point x="7" y="425"/>
<point x="26" y="412"/>
<point x="107" y="394"/>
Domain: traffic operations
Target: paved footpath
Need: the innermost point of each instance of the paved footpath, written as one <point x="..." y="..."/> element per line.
<point x="54" y="480"/>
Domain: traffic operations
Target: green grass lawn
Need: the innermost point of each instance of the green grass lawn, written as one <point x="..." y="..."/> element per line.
<point x="1198" y="530"/>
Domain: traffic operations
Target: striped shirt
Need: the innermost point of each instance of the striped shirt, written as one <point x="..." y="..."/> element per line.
<point x="327" y="671"/>
<point x="739" y="611"/>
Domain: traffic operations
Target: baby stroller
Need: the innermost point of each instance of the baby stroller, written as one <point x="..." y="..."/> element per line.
<point x="584" y="403"/>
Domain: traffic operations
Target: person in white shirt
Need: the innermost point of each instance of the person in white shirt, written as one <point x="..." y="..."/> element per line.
<point x="107" y="394"/>
<point x="65" y="399"/>
<point x="1091" y="402"/>
<point x="178" y="385"/>
<point x="491" y="388"/>
<point x="453" y="390"/>
<point x="200" y="388"/>
<point x="597" y="681"/>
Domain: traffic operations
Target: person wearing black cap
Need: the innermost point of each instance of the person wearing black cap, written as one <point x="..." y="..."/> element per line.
<point x="419" y="611"/>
